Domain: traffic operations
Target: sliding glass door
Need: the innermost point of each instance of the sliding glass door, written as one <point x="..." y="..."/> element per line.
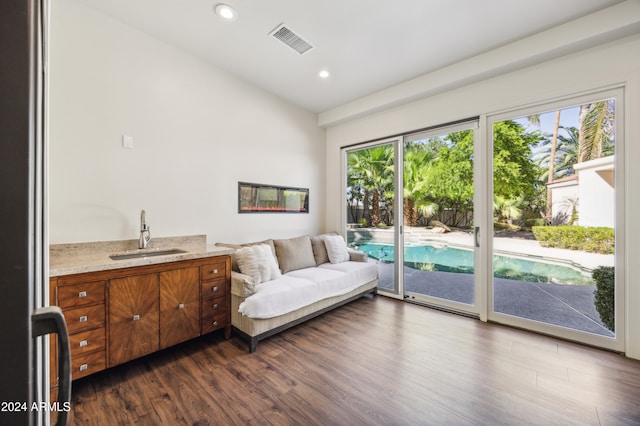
<point x="371" y="204"/>
<point x="557" y="218"/>
<point x="522" y="227"/>
<point x="410" y="205"/>
<point x="439" y="211"/>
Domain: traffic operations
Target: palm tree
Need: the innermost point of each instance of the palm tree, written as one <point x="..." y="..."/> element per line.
<point x="535" y="119"/>
<point x="596" y="130"/>
<point x="552" y="160"/>
<point x="417" y="161"/>
<point x="373" y="169"/>
<point x="358" y="190"/>
<point x="507" y="208"/>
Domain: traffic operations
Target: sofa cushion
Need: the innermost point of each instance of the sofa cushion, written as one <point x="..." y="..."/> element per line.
<point x="257" y="262"/>
<point x="294" y="253"/>
<point x="303" y="287"/>
<point x="278" y="297"/>
<point x="358" y="272"/>
<point x="234" y="263"/>
<point x="336" y="248"/>
<point x="319" y="250"/>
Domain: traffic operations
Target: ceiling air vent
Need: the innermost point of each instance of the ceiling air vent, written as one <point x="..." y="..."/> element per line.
<point x="291" y="39"/>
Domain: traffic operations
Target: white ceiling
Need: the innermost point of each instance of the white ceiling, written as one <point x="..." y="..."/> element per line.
<point x="367" y="45"/>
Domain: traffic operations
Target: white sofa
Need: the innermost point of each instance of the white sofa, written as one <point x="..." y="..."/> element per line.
<point x="308" y="285"/>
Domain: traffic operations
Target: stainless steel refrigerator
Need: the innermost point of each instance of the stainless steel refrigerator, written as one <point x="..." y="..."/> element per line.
<point x="24" y="356"/>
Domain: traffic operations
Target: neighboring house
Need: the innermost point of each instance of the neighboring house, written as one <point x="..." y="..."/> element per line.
<point x="591" y="190"/>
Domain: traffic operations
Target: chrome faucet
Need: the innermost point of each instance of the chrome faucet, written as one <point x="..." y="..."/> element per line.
<point x="144" y="240"/>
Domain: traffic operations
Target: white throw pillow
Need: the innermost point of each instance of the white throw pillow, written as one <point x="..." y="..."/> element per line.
<point x="258" y="263"/>
<point x="336" y="248"/>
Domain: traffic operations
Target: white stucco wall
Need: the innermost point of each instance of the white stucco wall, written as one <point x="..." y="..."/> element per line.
<point x="597" y="193"/>
<point x="565" y="197"/>
<point x="197" y="131"/>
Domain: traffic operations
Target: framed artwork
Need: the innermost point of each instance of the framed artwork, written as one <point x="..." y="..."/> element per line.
<point x="259" y="198"/>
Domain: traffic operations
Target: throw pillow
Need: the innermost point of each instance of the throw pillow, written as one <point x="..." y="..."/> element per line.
<point x="294" y="253"/>
<point x="336" y="248"/>
<point x="234" y="262"/>
<point x="258" y="263"/>
<point x="319" y="249"/>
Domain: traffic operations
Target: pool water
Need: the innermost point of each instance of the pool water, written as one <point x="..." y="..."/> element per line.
<point x="450" y="259"/>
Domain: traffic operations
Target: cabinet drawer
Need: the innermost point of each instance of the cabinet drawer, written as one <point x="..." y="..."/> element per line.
<point x="212" y="307"/>
<point x="84" y="365"/>
<point x="212" y="289"/>
<point x="84" y="317"/>
<point x="213" y="271"/>
<point x="213" y="323"/>
<point x="87" y="341"/>
<point x="81" y="294"/>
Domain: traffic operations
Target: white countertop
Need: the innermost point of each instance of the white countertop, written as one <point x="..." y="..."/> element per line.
<point x="76" y="258"/>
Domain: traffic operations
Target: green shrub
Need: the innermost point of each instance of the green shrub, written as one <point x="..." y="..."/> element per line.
<point x="594" y="240"/>
<point x="604" y="293"/>
<point x="534" y="222"/>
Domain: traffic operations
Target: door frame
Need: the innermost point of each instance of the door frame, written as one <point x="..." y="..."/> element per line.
<point x="618" y="342"/>
<point x="395" y="142"/>
<point x="477" y="309"/>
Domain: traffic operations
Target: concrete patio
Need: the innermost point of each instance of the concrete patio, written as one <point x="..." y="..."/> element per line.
<point x="570" y="306"/>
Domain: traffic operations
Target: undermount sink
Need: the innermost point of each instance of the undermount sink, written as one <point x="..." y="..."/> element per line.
<point x="142" y="254"/>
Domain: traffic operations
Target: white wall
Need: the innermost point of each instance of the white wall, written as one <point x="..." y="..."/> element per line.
<point x="596" y="192"/>
<point x="197" y="131"/>
<point x="616" y="63"/>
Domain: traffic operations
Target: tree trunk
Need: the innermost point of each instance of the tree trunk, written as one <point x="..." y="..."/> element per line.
<point x="365" y="206"/>
<point x="375" y="208"/>
<point x="552" y="160"/>
<point x="410" y="214"/>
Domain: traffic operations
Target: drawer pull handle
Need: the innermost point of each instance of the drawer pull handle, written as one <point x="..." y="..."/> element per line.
<point x="82" y="294"/>
<point x="136" y="317"/>
<point x="83" y="343"/>
<point x="181" y="306"/>
<point x="84" y="367"/>
<point x="214" y="306"/>
<point x="83" y="318"/>
<point x="214" y="288"/>
<point x="215" y="271"/>
<point x="214" y="323"/>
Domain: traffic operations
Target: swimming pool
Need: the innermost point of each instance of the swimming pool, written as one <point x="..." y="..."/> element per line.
<point x="451" y="259"/>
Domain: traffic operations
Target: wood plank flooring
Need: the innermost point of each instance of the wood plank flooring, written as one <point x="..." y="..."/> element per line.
<point x="375" y="361"/>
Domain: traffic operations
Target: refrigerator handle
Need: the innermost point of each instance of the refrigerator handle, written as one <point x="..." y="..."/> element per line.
<point x="51" y="320"/>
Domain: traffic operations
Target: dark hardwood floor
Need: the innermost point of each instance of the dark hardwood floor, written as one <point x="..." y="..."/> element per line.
<point x="375" y="361"/>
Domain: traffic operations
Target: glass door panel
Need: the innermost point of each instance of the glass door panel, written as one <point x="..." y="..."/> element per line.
<point x="438" y="206"/>
<point x="554" y="218"/>
<point x="370" y="215"/>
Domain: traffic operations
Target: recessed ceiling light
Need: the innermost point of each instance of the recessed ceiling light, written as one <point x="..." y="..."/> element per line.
<point x="324" y="74"/>
<point x="226" y="12"/>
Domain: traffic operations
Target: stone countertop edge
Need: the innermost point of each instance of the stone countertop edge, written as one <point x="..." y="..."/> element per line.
<point x="78" y="258"/>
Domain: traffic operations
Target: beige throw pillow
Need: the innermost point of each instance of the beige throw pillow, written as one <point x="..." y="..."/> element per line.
<point x="336" y="248"/>
<point x="258" y="263"/>
<point x="294" y="253"/>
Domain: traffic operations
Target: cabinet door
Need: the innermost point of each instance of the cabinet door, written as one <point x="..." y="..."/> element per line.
<point x="133" y="317"/>
<point x="179" y="306"/>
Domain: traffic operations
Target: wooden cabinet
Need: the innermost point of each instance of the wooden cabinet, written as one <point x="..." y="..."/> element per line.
<point x="216" y="312"/>
<point x="118" y="315"/>
<point x="134" y="312"/>
<point x="83" y="303"/>
<point x="179" y="306"/>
